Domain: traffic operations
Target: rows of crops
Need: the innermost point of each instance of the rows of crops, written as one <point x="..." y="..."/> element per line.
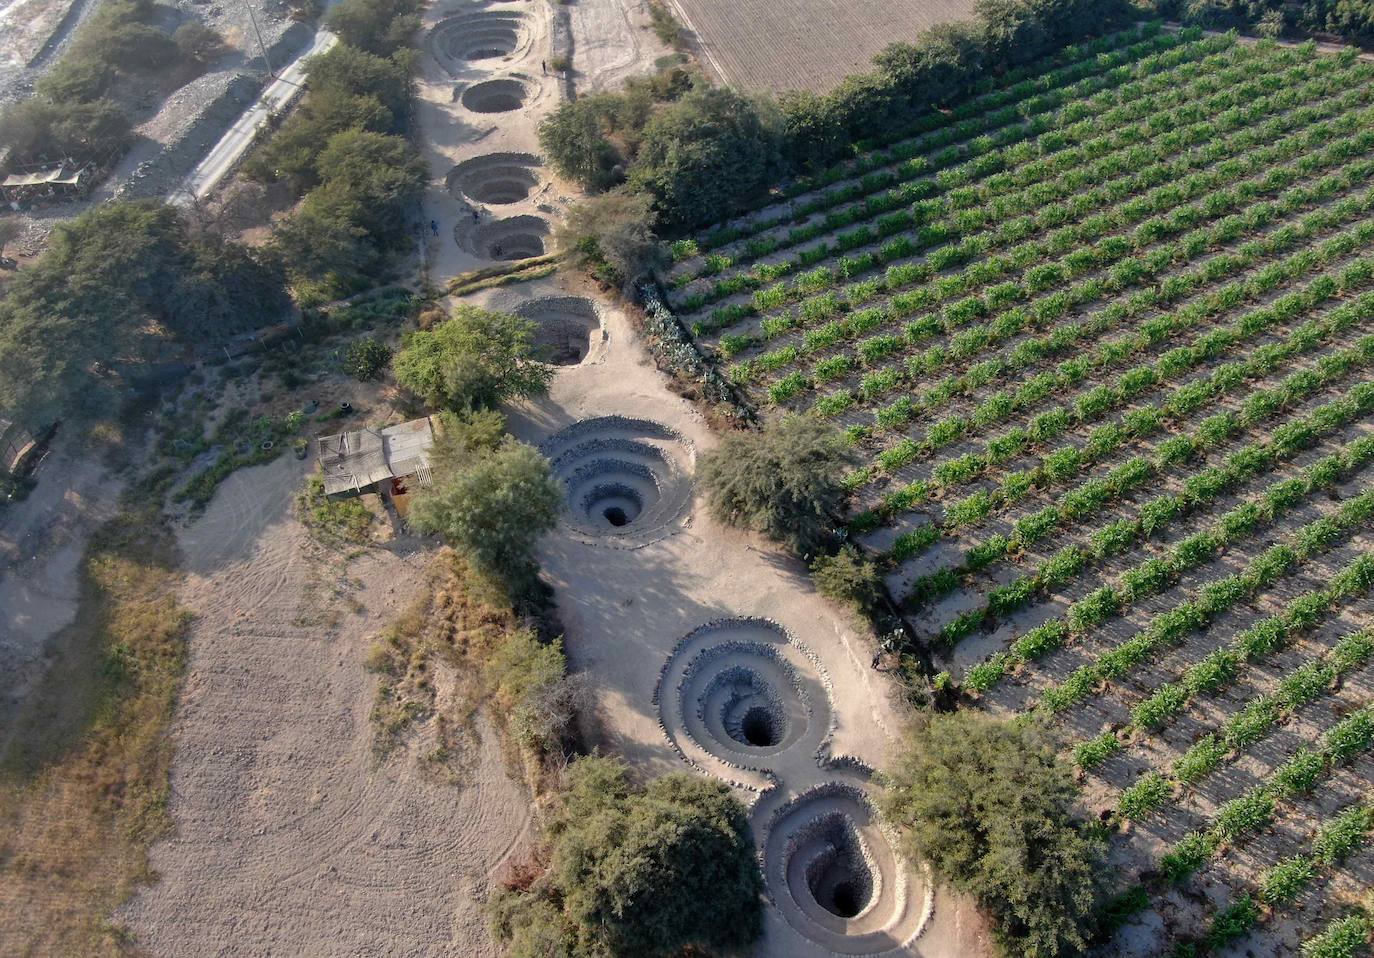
<point x="1103" y="341"/>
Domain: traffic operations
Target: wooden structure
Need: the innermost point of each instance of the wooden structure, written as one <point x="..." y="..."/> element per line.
<point x="16" y="445"/>
<point x="389" y="461"/>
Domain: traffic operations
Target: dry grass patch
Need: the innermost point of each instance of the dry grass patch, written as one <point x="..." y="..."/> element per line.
<point x="458" y="647"/>
<point x="83" y="791"/>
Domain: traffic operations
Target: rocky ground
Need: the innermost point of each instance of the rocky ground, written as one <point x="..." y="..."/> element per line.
<point x="172" y="133"/>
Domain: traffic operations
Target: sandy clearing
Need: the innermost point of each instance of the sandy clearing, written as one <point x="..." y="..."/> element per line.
<point x="453" y="133"/>
<point x="612" y="41"/>
<point x="290" y="837"/>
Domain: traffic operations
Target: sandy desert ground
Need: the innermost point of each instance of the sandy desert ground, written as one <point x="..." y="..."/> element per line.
<point x="625" y="609"/>
<point x="291" y="836"/>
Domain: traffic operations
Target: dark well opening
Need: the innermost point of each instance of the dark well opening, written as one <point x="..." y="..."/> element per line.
<point x="759" y="728"/>
<point x="845" y="901"/>
<point x="519" y="246"/>
<point x="616" y="516"/>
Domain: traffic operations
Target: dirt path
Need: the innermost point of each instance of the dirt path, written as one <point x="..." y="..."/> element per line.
<point x="290" y="837"/>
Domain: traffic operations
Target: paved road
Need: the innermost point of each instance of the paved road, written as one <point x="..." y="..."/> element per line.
<point x="222" y="158"/>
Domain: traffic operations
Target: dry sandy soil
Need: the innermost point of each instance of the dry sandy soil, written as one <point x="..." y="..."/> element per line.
<point x="624" y="610"/>
<point x="784" y="45"/>
<point x="612" y="40"/>
<point x="292" y="837"/>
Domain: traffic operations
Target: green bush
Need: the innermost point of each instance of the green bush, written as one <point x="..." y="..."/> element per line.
<point x="493" y="508"/>
<point x="667" y="869"/>
<point x="848" y="579"/>
<point x="786" y="481"/>
<point x="989" y="807"/>
<point x="333" y="520"/>
<point x="366" y="359"/>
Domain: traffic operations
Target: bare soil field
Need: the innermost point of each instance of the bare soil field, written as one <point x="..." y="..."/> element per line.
<point x="292" y="836"/>
<point x="612" y="40"/>
<point x="777" y="45"/>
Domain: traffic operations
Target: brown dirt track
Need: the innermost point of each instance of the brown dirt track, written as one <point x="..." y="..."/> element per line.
<point x="812" y="45"/>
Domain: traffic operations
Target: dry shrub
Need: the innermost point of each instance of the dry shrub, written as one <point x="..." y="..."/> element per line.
<point x="85" y="779"/>
<point x="520" y="874"/>
<point x="463" y="627"/>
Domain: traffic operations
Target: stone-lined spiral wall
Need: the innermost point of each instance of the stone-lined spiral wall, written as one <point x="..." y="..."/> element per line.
<point x="627" y="481"/>
<point x="501" y="95"/>
<point x="566" y="327"/>
<point x="743" y="700"/>
<point x="512" y="238"/>
<point x="496" y="179"/>
<point x="478" y="36"/>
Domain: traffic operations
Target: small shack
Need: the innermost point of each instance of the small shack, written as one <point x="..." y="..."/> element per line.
<point x="17" y="444"/>
<point x="64" y="181"/>
<point x="390" y="461"/>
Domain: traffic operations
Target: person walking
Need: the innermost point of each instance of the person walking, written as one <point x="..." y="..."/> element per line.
<point x="544" y="67"/>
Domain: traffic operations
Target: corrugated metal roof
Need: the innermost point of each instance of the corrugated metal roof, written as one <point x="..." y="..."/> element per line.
<point x="352" y="461"/>
<point x="58" y="175"/>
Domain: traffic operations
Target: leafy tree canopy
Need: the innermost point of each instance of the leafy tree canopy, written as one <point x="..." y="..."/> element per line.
<point x="350" y="89"/>
<point x="699" y="157"/>
<point x="341" y="233"/>
<point x="380" y="27"/>
<point x="613" y="235"/>
<point x="990" y="807"/>
<point x="786" y="481"/>
<point x="492" y="505"/>
<point x="475" y="359"/>
<point x="575" y="139"/>
<point x="634" y="872"/>
<point x="115" y="285"/>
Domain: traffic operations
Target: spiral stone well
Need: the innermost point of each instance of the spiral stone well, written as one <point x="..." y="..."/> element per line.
<point x="478" y="36"/>
<point x="512" y="238"/>
<point x="501" y="95"/>
<point x="743" y="700"/>
<point x="565" y="327"/>
<point x="495" y="179"/>
<point x="627" y="481"/>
